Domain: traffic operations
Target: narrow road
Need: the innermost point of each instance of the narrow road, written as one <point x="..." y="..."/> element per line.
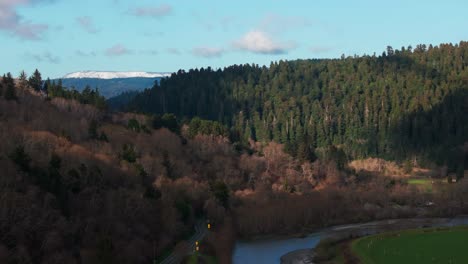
<point x="178" y="255"/>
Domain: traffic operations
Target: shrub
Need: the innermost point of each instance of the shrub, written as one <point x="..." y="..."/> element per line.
<point x="128" y="153"/>
<point x="21" y="158"/>
<point x="134" y="125"/>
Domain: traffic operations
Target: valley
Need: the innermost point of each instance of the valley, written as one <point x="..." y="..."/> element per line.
<point x="186" y="132"/>
<point x="240" y="148"/>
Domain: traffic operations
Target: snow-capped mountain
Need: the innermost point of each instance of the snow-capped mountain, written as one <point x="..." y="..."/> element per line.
<point x="110" y="83"/>
<point x="114" y="75"/>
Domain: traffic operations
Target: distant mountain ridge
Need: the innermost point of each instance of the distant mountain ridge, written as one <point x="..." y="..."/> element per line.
<point x="115" y="74"/>
<point x="111" y="84"/>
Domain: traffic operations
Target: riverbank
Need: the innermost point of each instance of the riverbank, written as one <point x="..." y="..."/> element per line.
<point x="271" y="250"/>
<point x="344" y="232"/>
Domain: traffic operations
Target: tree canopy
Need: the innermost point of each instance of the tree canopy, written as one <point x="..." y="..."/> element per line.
<point x="403" y="103"/>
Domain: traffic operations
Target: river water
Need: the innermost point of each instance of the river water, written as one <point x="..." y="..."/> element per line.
<point x="270" y="251"/>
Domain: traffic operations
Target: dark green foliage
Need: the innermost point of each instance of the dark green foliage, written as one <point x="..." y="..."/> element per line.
<point x="55" y="162"/>
<point x="105" y="250"/>
<point x="103" y="137"/>
<point x="332" y="153"/>
<point x="221" y="192"/>
<point x="90" y="96"/>
<point x="128" y="153"/>
<point x="46" y="85"/>
<point x="87" y="96"/>
<point x="134" y="125"/>
<point x="23" y="80"/>
<point x="9" y="86"/>
<point x="460" y="171"/>
<point x="407" y="167"/>
<point x="73" y="181"/>
<point x="93" y="129"/>
<point x="156" y="122"/>
<point x="119" y="101"/>
<point x="141" y="172"/>
<point x="168" y="165"/>
<point x="398" y="105"/>
<point x="184" y="209"/>
<point x="152" y="193"/>
<point x="93" y="132"/>
<point x="206" y="127"/>
<point x="21" y="158"/>
<point x="35" y="81"/>
<point x="168" y="121"/>
<point x="145" y="129"/>
<point x="49" y="180"/>
<point x="305" y="150"/>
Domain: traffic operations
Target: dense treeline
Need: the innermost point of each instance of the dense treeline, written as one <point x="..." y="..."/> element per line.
<point x="398" y="105"/>
<point x="51" y="89"/>
<point x="87" y="96"/>
<point x="119" y="101"/>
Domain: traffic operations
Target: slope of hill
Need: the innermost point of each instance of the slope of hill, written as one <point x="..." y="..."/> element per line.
<point x="405" y="104"/>
<point x="83" y="185"/>
<point x="121" y="100"/>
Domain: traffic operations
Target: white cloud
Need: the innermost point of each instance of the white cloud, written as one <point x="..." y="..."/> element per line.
<point x="14" y="24"/>
<point x="260" y="42"/>
<point x="207" y="52"/>
<point x="117" y="50"/>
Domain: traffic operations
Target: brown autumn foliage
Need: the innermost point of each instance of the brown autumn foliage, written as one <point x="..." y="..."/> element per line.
<point x="98" y="207"/>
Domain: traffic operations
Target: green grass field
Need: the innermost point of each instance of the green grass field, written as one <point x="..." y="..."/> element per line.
<point x="419" y="181"/>
<point x="447" y="245"/>
<point x="424" y="184"/>
<point x="200" y="258"/>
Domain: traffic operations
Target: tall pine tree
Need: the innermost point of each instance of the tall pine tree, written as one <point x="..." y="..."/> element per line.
<point x="35" y="81"/>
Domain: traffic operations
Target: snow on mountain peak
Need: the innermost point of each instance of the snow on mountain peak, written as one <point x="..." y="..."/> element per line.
<point x="114" y="75"/>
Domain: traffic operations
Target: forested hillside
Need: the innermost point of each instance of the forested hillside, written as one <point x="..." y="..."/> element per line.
<point x="404" y="104"/>
<point x="82" y="184"/>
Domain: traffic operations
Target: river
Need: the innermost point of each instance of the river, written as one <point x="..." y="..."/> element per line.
<point x="270" y="251"/>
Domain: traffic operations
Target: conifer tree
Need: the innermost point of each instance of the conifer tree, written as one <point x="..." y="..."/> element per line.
<point x="35" y="81"/>
<point x="10" y="90"/>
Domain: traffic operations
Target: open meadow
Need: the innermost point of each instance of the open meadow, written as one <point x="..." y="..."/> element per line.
<point x="435" y="245"/>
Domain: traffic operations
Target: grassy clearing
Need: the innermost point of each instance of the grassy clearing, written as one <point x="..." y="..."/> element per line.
<point x="419" y="181"/>
<point x="438" y="245"/>
<point x="422" y="183"/>
<point x="200" y="258"/>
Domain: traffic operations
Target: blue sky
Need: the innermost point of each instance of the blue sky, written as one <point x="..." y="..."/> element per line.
<point x="63" y="36"/>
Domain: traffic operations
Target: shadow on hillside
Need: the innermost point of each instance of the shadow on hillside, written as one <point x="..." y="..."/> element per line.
<point x="439" y="134"/>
